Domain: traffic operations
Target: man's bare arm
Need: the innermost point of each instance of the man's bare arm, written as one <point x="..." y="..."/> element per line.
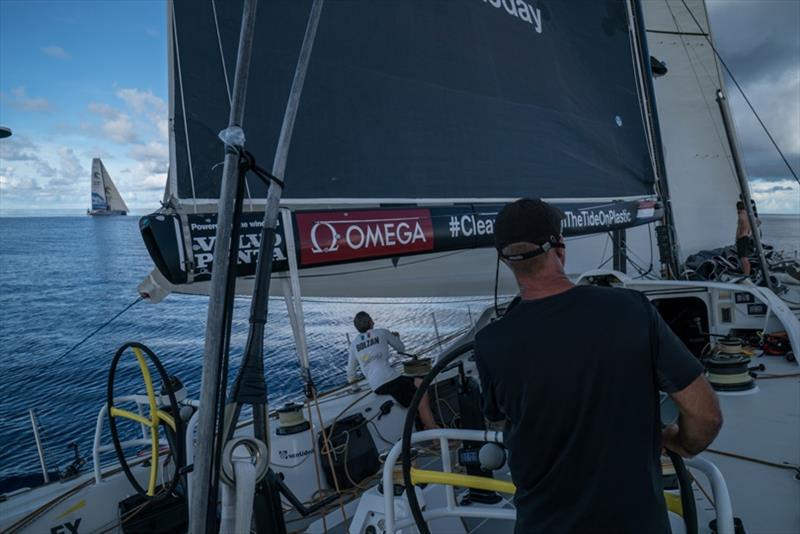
<point x="699" y="421"/>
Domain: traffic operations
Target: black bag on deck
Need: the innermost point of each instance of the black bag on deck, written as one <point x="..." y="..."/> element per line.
<point x="353" y="455"/>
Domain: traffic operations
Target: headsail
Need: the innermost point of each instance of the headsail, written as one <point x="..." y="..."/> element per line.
<point x="524" y="99"/>
<point x="702" y="180"/>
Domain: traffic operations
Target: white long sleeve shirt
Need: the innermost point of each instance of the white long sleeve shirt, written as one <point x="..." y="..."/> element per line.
<point x="371" y="351"/>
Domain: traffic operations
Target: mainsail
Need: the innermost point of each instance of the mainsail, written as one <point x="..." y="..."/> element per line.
<point x="105" y="196"/>
<point x="408" y="139"/>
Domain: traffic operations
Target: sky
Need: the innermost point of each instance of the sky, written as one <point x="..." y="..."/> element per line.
<point x="84" y="79"/>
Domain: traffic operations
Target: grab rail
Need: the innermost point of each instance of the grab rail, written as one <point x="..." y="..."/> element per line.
<point x="451" y="508"/>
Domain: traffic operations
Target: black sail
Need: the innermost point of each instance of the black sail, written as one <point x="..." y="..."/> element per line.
<point x="419" y="99"/>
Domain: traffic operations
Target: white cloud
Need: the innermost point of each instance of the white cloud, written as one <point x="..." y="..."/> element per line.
<point x="143" y="101"/>
<point x="55" y="51"/>
<point x="120" y="129"/>
<point x="104" y="110"/>
<point x="149" y="105"/>
<point x="20" y="101"/>
<point x="70" y="169"/>
<point x="11" y="184"/>
<point x="150" y="151"/>
<point x="17" y="148"/>
<point x="776" y="196"/>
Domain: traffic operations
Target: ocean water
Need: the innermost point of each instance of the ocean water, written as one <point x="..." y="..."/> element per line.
<point x="62" y="277"/>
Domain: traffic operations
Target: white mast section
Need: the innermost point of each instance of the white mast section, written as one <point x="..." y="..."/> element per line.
<point x="216" y="329"/>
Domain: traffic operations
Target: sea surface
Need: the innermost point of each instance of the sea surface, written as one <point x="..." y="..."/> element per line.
<point x="63" y="277"/>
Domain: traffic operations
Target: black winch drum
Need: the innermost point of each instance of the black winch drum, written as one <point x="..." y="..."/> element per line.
<point x="729" y="372"/>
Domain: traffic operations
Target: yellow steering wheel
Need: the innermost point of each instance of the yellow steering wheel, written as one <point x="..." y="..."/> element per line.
<point x="156" y="417"/>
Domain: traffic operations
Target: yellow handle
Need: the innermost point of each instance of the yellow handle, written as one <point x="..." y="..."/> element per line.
<point x="423" y="476"/>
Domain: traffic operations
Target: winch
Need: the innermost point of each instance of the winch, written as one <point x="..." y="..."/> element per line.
<point x="417" y="367"/>
<point x="728" y="366"/>
<point x="291" y="419"/>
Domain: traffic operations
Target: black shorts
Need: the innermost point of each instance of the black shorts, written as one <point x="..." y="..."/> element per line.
<point x="743" y="247"/>
<point x="402" y="389"/>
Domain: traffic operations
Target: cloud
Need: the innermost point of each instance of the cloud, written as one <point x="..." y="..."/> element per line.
<point x="778" y="104"/>
<point x="20" y="101"/>
<point x="760" y="43"/>
<point x="17" y="148"/>
<point x="70" y="169"/>
<point x="55" y="51"/>
<point x="150" y="106"/>
<point x="104" y="110"/>
<point x="21" y="149"/>
<point x="756" y="39"/>
<point x="120" y="129"/>
<point x="11" y="184"/>
<point x="776" y="196"/>
<point x="150" y="151"/>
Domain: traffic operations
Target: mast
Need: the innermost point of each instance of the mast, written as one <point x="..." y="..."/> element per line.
<point x="249" y="386"/>
<point x="667" y="252"/>
<point x="744" y="186"/>
<point x="217" y="328"/>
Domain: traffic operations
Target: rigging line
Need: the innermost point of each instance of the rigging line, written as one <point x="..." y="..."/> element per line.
<point x="221" y="54"/>
<point x="79" y="343"/>
<point x="741" y="91"/>
<point x="183" y="103"/>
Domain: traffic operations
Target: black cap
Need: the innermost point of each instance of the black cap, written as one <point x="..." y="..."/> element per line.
<point x="527" y="220"/>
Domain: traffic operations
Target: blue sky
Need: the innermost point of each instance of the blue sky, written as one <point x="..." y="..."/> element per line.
<point x="79" y="80"/>
<point x="82" y="79"/>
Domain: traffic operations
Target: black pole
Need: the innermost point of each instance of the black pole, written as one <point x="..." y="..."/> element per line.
<point x="620" y="250"/>
<point x="671" y="261"/>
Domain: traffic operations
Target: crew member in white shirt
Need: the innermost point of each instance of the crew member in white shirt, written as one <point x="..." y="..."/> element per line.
<point x="370" y="349"/>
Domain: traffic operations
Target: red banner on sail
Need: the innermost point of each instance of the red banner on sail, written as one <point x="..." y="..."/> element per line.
<point x="334" y="236"/>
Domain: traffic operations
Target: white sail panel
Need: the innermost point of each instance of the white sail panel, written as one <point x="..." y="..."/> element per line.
<point x="702" y="180"/>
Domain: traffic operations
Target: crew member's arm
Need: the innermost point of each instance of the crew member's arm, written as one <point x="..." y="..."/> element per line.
<point x="680" y="375"/>
<point x="699" y="421"/>
<point x="352" y="365"/>
<point x="394" y="341"/>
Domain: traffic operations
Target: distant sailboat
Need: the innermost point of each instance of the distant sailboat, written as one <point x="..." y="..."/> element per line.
<point x="106" y="199"/>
